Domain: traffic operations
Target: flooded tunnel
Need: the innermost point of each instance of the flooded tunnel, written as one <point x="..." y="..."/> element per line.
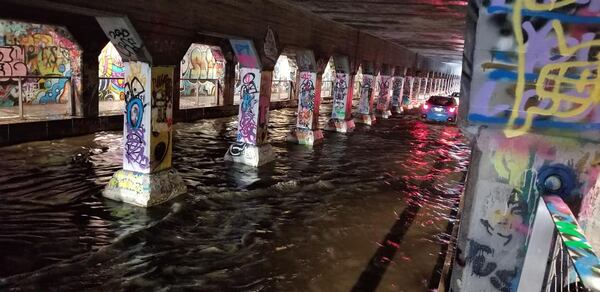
<point x="299" y="145"/>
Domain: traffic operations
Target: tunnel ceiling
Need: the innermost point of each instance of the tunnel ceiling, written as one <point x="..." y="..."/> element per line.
<point x="432" y="28"/>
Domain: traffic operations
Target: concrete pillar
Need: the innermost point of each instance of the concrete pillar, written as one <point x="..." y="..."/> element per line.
<point x="307" y="130"/>
<point x="430" y="84"/>
<point x="407" y="97"/>
<point x="229" y="83"/>
<point x="535" y="124"/>
<point x="418" y="89"/>
<point x="366" y="113"/>
<point x="397" y="90"/>
<point x="341" y="119"/>
<point x="89" y="81"/>
<point x="384" y="85"/>
<point x="251" y="146"/>
<point x="147" y="177"/>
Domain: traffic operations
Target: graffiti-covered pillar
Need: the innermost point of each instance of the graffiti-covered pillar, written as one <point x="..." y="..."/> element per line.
<point x="397" y="90"/>
<point x="384" y="90"/>
<point x="147" y="177"/>
<point x="407" y="95"/>
<point x="251" y="146"/>
<point x="306" y="130"/>
<point x="417" y="88"/>
<point x="530" y="100"/>
<point x="341" y="119"/>
<point x="366" y="113"/>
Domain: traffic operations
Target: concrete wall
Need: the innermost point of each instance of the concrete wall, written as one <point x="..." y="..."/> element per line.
<point x="531" y="98"/>
<point x="28" y="49"/>
<point x="167" y="29"/>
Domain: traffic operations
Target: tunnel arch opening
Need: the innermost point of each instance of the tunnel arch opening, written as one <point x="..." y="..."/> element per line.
<point x="111" y="81"/>
<point x="202" y="76"/>
<point x="41" y="71"/>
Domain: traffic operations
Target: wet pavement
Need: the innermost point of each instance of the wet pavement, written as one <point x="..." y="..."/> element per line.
<point x="368" y="211"/>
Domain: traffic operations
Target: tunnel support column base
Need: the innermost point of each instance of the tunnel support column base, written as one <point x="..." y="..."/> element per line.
<point x="385" y="114"/>
<point x="248" y="154"/>
<point x="340" y="126"/>
<point x="305" y="136"/>
<point x="366" y="119"/>
<point x="398" y="110"/>
<point x="144" y="189"/>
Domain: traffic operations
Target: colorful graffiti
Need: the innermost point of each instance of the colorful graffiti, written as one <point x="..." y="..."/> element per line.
<point x="48" y="55"/>
<point x="340" y="95"/>
<point x="543" y="70"/>
<point x="12" y="62"/>
<point x="407" y="95"/>
<point x="584" y="258"/>
<point x="136" y="154"/>
<point x="112" y="74"/>
<point x="249" y="106"/>
<point x="202" y="67"/>
<point x="511" y="174"/>
<point x="383" y="102"/>
<point x="162" y="118"/>
<point x="397" y="90"/>
<point x="245" y="53"/>
<point x="306" y="100"/>
<point x="366" y="95"/>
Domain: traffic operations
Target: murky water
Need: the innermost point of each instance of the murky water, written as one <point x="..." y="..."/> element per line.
<point x="366" y="211"/>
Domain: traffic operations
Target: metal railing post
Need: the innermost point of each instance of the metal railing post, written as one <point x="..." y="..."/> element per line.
<point x="20" y="98"/>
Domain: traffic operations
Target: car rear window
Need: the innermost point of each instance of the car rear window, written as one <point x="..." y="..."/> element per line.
<point x="441" y="100"/>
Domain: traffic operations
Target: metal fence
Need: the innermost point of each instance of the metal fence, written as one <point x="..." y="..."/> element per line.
<point x="199" y="92"/>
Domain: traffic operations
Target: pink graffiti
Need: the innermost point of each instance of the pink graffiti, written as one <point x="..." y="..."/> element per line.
<point x="12" y="62"/>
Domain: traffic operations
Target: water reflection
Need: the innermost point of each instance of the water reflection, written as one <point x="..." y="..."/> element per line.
<point x="369" y="210"/>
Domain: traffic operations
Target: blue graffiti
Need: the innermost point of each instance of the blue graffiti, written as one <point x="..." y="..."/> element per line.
<point x="564" y="18"/>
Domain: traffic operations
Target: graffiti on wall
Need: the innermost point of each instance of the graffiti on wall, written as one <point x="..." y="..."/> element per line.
<point x="124" y="37"/>
<point x="245" y="53"/>
<point x="162" y="118"/>
<point x="397" y="90"/>
<point x="407" y="95"/>
<point x="12" y="62"/>
<point x="340" y="95"/>
<point x="510" y="171"/>
<point x="136" y="152"/>
<point x="263" y="107"/>
<point x="202" y="67"/>
<point x="366" y="94"/>
<point x="383" y="101"/>
<point x="306" y="100"/>
<point x="112" y="74"/>
<point x="47" y="54"/>
<point x="249" y="106"/>
<point x="542" y="73"/>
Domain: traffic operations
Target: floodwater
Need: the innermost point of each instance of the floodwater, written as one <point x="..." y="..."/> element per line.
<point x="368" y="211"/>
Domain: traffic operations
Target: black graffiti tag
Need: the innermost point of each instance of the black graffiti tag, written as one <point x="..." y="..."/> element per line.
<point x="124" y="42"/>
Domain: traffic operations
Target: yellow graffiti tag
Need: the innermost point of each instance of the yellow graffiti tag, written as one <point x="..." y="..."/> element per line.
<point x="586" y="84"/>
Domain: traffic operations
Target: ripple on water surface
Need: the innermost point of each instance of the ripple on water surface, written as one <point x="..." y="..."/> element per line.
<point x="364" y="210"/>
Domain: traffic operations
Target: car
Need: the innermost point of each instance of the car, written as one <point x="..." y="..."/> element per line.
<point x="440" y="109"/>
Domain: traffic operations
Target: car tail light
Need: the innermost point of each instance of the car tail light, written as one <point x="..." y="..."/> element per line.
<point x="452" y="109"/>
<point x="425" y="106"/>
